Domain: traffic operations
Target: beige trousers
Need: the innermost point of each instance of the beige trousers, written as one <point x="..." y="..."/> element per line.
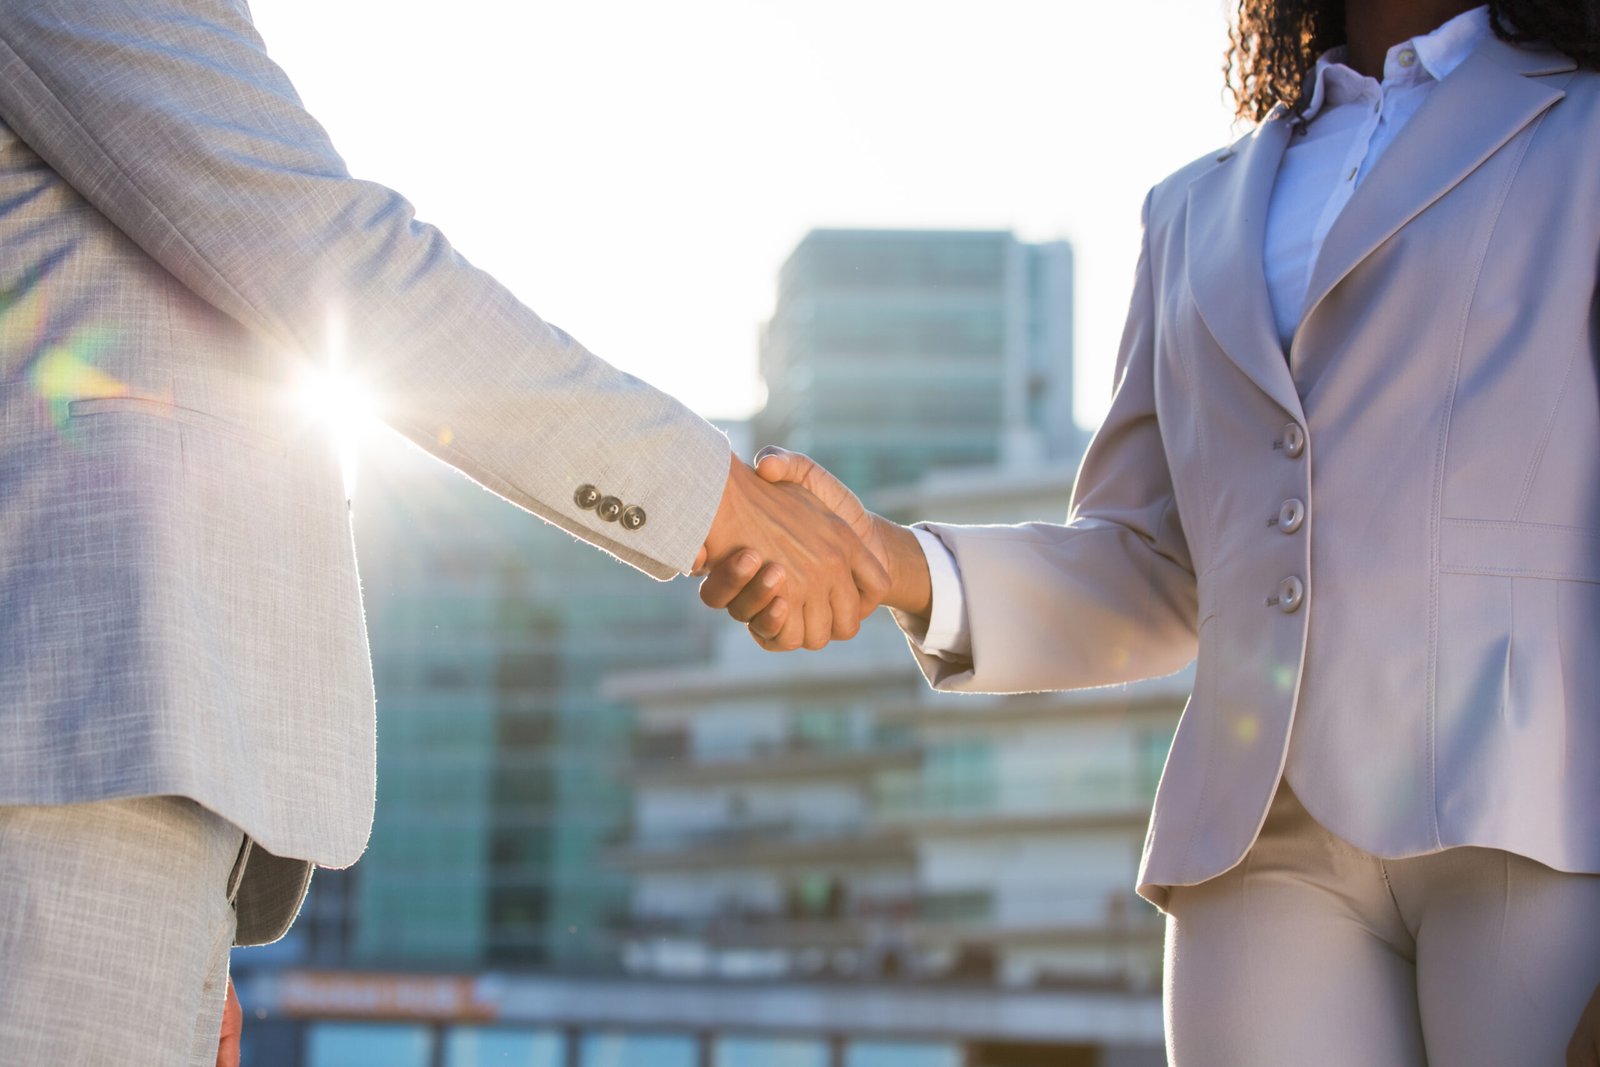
<point x="1312" y="952"/>
<point x="115" y="923"/>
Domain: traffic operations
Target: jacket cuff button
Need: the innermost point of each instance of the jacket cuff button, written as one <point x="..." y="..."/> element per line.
<point x="587" y="497"/>
<point x="609" y="509"/>
<point x="633" y="517"/>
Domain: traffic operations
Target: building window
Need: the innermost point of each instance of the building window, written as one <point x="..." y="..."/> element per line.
<point x="369" y="1045"/>
<point x="901" y="1054"/>
<point x="769" y="1052"/>
<point x="500" y="1047"/>
<point x="638" y="1050"/>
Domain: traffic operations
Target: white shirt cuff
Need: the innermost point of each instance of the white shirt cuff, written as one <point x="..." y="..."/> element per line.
<point x="947" y="635"/>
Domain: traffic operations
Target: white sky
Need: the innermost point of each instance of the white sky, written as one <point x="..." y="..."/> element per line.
<point x="637" y="170"/>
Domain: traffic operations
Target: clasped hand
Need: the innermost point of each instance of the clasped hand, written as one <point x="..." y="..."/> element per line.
<point x="794" y="595"/>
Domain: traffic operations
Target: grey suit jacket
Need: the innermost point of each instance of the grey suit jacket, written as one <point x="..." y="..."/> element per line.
<point x="179" y="609"/>
<point x="1383" y="545"/>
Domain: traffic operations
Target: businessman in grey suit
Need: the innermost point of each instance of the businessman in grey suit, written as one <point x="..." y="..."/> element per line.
<point x="186" y="706"/>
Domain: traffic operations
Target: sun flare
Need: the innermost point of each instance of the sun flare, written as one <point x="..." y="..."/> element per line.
<point x="336" y="401"/>
<point x="340" y="405"/>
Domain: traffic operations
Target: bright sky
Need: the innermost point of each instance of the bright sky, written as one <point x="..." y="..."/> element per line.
<point x="637" y="170"/>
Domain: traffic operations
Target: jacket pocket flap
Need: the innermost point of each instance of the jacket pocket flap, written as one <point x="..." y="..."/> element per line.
<point x="1519" y="550"/>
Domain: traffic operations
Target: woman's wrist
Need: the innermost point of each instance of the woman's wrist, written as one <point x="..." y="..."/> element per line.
<point x="910" y="587"/>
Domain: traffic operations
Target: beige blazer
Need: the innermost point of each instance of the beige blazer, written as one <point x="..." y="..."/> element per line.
<point x="179" y="608"/>
<point x="1384" y="545"/>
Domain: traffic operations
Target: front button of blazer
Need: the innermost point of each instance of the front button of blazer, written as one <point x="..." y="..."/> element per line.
<point x="1292" y="440"/>
<point x="1291" y="515"/>
<point x="587" y="497"/>
<point x="1291" y="594"/>
<point x="633" y="517"/>
<point x="609" y="509"/>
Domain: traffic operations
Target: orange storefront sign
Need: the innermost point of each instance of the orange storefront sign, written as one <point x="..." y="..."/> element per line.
<point x="447" y="998"/>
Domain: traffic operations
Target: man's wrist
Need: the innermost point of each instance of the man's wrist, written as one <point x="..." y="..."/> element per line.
<point x="718" y="536"/>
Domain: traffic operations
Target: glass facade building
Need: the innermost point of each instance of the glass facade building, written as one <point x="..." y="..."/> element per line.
<point x="894" y="352"/>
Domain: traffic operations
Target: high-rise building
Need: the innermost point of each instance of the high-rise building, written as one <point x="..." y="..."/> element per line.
<point x="894" y="352"/>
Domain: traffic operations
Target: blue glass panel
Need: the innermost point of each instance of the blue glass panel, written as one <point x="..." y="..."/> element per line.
<point x="638" y="1050"/>
<point x="489" y="1047"/>
<point x="901" y="1054"/>
<point x="369" y="1045"/>
<point x="770" y="1052"/>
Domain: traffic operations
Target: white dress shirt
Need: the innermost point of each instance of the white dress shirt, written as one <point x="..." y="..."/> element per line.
<point x="1351" y="121"/>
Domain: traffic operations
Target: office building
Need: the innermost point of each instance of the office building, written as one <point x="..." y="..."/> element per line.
<point x="894" y="352"/>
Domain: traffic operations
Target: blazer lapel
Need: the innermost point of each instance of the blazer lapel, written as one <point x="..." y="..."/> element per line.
<point x="1225" y="231"/>
<point x="1476" y="109"/>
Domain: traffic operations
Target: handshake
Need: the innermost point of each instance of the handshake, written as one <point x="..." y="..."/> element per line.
<point x="794" y="556"/>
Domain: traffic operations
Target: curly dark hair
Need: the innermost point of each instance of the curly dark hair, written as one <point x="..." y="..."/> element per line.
<point x="1276" y="43"/>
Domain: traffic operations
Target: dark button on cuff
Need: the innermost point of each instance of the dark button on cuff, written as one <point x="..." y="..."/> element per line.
<point x="633" y="517"/>
<point x="609" y="509"/>
<point x="586" y="497"/>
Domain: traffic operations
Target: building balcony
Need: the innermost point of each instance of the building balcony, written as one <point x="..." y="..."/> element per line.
<point x="855" y="674"/>
<point x="1156" y="701"/>
<point x="671" y="758"/>
<point x="988" y="804"/>
<point x="765" y="843"/>
<point x="835" y="923"/>
<point x="956" y="920"/>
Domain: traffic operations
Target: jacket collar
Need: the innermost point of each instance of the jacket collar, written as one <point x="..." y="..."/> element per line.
<point x="1482" y="104"/>
<point x="1432" y="56"/>
<point x="1225" y="229"/>
<point x="1486" y="101"/>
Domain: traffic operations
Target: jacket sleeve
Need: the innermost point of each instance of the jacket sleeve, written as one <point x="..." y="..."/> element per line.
<point x="1110" y="595"/>
<point x="169" y="118"/>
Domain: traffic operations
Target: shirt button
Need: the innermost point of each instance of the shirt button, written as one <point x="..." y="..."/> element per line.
<point x="609" y="509"/>
<point x="1291" y="516"/>
<point x="1352" y="175"/>
<point x="1292" y="439"/>
<point x="1291" y="594"/>
<point x="1407" y="57"/>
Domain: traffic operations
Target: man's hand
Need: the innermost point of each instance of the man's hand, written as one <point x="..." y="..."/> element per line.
<point x="1584" y="1049"/>
<point x="232" y="1027"/>
<point x="753" y="593"/>
<point x="829" y="580"/>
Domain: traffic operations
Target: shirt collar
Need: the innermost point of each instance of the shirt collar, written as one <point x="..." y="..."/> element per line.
<point x="1433" y="55"/>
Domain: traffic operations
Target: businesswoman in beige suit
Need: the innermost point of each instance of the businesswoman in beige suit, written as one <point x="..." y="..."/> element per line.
<point x="1353" y="465"/>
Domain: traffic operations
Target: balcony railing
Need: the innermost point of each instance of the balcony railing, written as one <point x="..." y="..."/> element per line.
<point x="747" y="832"/>
<point x="675" y="749"/>
<point x="733" y="919"/>
<point x="910" y="796"/>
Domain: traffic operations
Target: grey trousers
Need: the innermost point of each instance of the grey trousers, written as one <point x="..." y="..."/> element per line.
<point x="115" y="923"/>
<point x="1312" y="952"/>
